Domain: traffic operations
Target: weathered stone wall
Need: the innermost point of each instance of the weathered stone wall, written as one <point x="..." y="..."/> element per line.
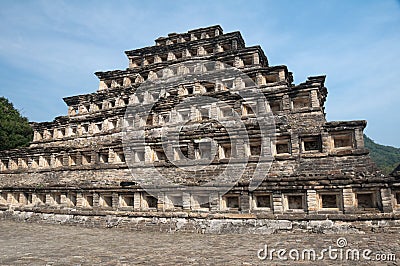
<point x="220" y="224"/>
<point x="306" y="170"/>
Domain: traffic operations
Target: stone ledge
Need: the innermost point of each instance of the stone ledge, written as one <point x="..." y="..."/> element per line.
<point x="208" y="215"/>
<point x="238" y="225"/>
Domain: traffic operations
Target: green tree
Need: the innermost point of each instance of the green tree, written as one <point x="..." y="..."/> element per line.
<point x="385" y="157"/>
<point x="15" y="130"/>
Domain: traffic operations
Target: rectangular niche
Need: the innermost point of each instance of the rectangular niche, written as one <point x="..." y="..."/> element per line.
<point x="210" y="87"/>
<point x="71" y="199"/>
<point x="73" y="130"/>
<point x="225" y="111"/>
<point x="183" y="115"/>
<point x="366" y="200"/>
<point x="150" y="120"/>
<point x="174" y="201"/>
<point x="203" y="150"/>
<point x="254" y="148"/>
<point x="126" y="200"/>
<point x="248" y="109"/>
<point x="86" y="158"/>
<point x="343" y="140"/>
<point x="283" y="145"/>
<point x="149" y="202"/>
<point x="200" y="202"/>
<point x="275" y="106"/>
<point x="40" y="199"/>
<point x="106" y="201"/>
<point x="330" y="201"/>
<point x="87" y="200"/>
<point x="28" y="198"/>
<point x="103" y="157"/>
<point x="397" y="198"/>
<point x="119" y="156"/>
<point x="204" y="113"/>
<point x="301" y="102"/>
<point x="180" y="152"/>
<point x="311" y="144"/>
<point x="139" y="156"/>
<point x="231" y="202"/>
<point x="158" y="155"/>
<point x="294" y="202"/>
<point x="165" y="118"/>
<point x="262" y="201"/>
<point x="85" y="128"/>
<point x="225" y="151"/>
<point x="3" y="198"/>
<point x="56" y="198"/>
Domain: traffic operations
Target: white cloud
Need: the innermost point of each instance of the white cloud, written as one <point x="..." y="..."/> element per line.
<point x="53" y="48"/>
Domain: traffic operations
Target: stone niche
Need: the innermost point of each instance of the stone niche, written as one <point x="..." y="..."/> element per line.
<point x="330" y="200"/>
<point x="106" y="201"/>
<point x="87" y="200"/>
<point x="224" y="151"/>
<point x="294" y="202"/>
<point x="230" y="202"/>
<point x="126" y="200"/>
<point x="149" y="202"/>
<point x="200" y="202"/>
<point x="311" y="144"/>
<point x="253" y="148"/>
<point x="366" y="200"/>
<point x="275" y="105"/>
<point x="397" y="199"/>
<point x="55" y="198"/>
<point x="283" y="145"/>
<point x="3" y="198"/>
<point x="173" y="201"/>
<point x="342" y="140"/>
<point x="262" y="201"/>
<point x="301" y="102"/>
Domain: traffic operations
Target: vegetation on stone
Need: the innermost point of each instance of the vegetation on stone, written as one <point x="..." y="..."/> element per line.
<point x="15" y="130"/>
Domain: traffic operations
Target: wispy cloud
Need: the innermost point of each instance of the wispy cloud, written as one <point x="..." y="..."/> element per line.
<point x="50" y="49"/>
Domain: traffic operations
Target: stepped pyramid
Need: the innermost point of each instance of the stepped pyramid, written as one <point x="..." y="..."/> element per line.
<point x="106" y="154"/>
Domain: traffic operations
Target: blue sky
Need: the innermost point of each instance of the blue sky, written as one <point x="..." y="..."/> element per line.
<point x="50" y="49"/>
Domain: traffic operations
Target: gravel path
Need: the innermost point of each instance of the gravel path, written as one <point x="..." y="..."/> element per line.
<point x="44" y="244"/>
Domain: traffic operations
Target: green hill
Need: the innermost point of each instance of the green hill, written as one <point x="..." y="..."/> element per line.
<point x="385" y="157"/>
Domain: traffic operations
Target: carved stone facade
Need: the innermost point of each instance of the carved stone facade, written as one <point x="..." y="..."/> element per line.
<point x="77" y="162"/>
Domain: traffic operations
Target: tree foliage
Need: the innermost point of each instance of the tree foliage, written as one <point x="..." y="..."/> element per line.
<point x="386" y="157"/>
<point x="15" y="130"/>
